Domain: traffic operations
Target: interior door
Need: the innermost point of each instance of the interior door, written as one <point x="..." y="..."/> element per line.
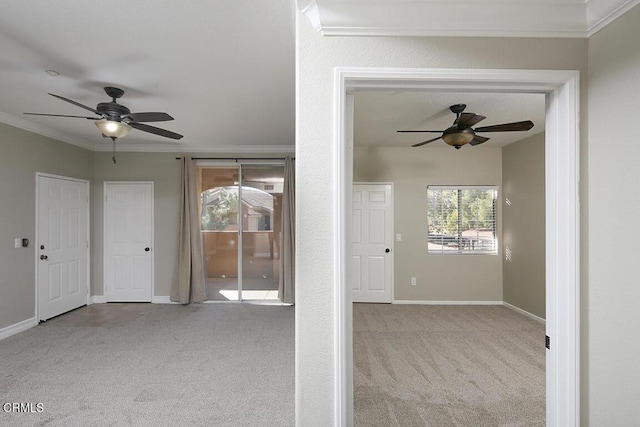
<point x="128" y="241"/>
<point x="63" y="246"/>
<point x="372" y="238"/>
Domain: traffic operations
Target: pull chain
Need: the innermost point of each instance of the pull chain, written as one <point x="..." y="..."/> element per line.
<point x="113" y="153"/>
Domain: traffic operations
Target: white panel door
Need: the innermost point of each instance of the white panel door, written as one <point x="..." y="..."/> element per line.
<point x="63" y="246"/>
<point x="128" y="241"/>
<point x="372" y="238"/>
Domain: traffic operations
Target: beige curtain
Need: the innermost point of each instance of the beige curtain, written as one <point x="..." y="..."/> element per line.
<point x="188" y="286"/>
<point x="286" y="288"/>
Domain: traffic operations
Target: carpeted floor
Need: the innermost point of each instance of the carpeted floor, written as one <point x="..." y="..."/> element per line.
<point x="421" y="365"/>
<point x="153" y="365"/>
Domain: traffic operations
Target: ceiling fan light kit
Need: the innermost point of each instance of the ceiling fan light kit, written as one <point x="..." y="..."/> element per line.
<point x="461" y="132"/>
<point x="112" y="128"/>
<point x="458" y="137"/>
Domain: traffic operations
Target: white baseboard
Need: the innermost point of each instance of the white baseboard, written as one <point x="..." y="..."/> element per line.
<point x="16" y="328"/>
<point x="524" y="312"/>
<point x="423" y="302"/>
<point x="97" y="299"/>
<point x="163" y="299"/>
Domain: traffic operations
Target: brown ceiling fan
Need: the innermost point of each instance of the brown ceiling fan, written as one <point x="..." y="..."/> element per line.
<point x="461" y="133"/>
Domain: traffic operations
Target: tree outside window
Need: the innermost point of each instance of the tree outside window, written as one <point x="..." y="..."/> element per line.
<point x="461" y="220"/>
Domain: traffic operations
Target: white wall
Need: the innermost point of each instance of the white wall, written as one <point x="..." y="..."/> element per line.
<point x="316" y="59"/>
<point x="438" y="277"/>
<point x="612" y="303"/>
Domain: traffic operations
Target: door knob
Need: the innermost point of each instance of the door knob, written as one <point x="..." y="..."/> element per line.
<point x="44" y="257"/>
<point x="387" y="250"/>
<point x="147" y="249"/>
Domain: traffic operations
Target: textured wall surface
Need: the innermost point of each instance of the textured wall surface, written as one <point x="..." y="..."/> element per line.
<point x="22" y="155"/>
<point x="317" y="57"/>
<point x="438" y="277"/>
<point x="610" y="307"/>
<point x="523" y="224"/>
<point x="164" y="171"/>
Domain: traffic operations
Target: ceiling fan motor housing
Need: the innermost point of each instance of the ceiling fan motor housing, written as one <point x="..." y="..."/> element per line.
<point x="113" y="110"/>
<point x="458" y="108"/>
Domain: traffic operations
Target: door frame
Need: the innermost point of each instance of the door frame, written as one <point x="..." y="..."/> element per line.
<point x="393" y="228"/>
<point x="104" y="234"/>
<point x="37" y="236"/>
<point x="562" y="172"/>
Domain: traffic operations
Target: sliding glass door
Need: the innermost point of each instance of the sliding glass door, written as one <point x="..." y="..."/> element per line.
<point x="240" y="208"/>
<point x="219" y="227"/>
<point x="261" y="231"/>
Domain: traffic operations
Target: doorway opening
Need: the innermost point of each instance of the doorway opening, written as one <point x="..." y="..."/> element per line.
<point x="241" y="225"/>
<point x="561" y="89"/>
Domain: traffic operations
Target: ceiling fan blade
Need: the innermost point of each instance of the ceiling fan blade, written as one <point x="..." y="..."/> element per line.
<point x="507" y="127"/>
<point x="418" y="131"/>
<point x="477" y="140"/>
<point x="425" y="142"/>
<point x="62" y="115"/>
<point x="149" y="117"/>
<point x="70" y="101"/>
<point x="155" y="130"/>
<point x="470" y="119"/>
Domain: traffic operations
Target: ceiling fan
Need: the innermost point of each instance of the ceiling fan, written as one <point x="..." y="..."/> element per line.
<point x="115" y="120"/>
<point x="461" y="132"/>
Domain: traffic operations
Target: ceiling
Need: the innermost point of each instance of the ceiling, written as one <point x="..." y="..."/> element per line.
<point x="379" y="114"/>
<point x="223" y="69"/>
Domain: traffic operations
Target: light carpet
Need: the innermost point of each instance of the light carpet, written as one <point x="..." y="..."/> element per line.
<point x="154" y="365"/>
<point x="421" y="365"/>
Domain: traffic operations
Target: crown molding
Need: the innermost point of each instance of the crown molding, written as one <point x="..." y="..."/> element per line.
<point x="601" y="13"/>
<point x="143" y="147"/>
<point x="14" y="121"/>
<point x="196" y="148"/>
<point x="472" y="18"/>
<point x="462" y="32"/>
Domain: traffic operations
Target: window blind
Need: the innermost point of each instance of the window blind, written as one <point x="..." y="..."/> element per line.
<point x="461" y="220"/>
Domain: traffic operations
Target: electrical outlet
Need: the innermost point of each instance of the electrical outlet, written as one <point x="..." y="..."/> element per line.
<point x="413" y="281"/>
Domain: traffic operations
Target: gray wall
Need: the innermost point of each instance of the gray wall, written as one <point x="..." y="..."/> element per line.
<point x="439" y="277"/>
<point x="22" y="154"/>
<point x="164" y="170"/>
<point x="316" y="60"/>
<point x="611" y="303"/>
<point x="523" y="224"/>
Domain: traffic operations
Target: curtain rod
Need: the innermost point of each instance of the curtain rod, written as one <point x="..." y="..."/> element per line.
<point x="236" y="158"/>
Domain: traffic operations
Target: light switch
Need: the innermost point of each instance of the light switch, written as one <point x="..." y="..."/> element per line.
<point x="17" y="243"/>
<point x="398" y="237"/>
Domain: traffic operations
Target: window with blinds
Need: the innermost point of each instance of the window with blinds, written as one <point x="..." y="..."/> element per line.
<point x="462" y="219"/>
